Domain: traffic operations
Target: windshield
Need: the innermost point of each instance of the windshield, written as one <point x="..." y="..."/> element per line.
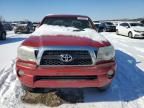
<point x="109" y="23"/>
<point x="69" y="22"/>
<point x="136" y="24"/>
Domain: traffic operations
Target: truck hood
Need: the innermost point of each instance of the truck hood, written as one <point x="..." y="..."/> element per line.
<point x="138" y="28"/>
<point x="65" y="36"/>
<point x="60" y="40"/>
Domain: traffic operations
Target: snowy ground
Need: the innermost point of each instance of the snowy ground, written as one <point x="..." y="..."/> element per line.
<point x="127" y="90"/>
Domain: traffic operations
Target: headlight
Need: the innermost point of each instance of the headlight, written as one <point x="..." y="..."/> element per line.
<point x="105" y="53"/>
<point x="26" y="53"/>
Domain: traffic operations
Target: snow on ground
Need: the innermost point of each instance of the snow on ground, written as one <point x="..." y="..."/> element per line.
<point x="132" y="47"/>
<point x="127" y="90"/>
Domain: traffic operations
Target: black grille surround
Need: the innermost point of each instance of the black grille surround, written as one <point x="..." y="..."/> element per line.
<point x="90" y="77"/>
<point x="53" y="57"/>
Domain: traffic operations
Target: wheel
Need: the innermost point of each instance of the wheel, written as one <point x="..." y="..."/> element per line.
<point x="117" y="32"/>
<point x="130" y="35"/>
<point x="104" y="88"/>
<point x="3" y="36"/>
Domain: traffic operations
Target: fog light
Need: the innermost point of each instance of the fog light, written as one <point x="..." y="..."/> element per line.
<point x="110" y="74"/>
<point x="20" y="73"/>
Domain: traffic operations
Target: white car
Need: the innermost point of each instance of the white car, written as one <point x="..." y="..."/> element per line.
<point x="131" y="29"/>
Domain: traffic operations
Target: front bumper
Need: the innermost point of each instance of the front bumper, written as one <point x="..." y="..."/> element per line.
<point x="32" y="75"/>
<point x="138" y="34"/>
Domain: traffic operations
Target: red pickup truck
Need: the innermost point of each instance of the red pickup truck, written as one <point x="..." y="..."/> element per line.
<point x="65" y="52"/>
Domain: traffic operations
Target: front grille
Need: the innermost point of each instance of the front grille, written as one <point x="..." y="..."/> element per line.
<point x="92" y="77"/>
<point x="53" y="57"/>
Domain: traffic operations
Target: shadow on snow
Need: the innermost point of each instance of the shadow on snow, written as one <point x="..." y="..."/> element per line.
<point x="11" y="40"/>
<point x="127" y="84"/>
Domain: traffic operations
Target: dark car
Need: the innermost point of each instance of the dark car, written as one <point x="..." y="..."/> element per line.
<point x="96" y="25"/>
<point x="142" y="21"/>
<point x="24" y="27"/>
<point x="35" y="24"/>
<point x="107" y="27"/>
<point x="2" y="32"/>
<point x="7" y="26"/>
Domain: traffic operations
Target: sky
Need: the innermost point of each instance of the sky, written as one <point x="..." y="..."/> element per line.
<point x="35" y="10"/>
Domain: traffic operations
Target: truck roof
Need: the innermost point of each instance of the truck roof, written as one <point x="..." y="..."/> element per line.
<point x="65" y="15"/>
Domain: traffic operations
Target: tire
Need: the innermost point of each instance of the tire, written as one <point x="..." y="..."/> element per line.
<point x="3" y="36"/>
<point x="104" y="88"/>
<point x="117" y="32"/>
<point x="130" y="35"/>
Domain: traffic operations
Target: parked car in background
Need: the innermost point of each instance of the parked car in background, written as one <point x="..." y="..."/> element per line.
<point x="24" y="27"/>
<point x="2" y="32"/>
<point x="96" y="25"/>
<point x="107" y="27"/>
<point x="130" y="29"/>
<point x="96" y="21"/>
<point x="7" y="26"/>
<point x="35" y="24"/>
<point x="65" y="52"/>
<point x="13" y="24"/>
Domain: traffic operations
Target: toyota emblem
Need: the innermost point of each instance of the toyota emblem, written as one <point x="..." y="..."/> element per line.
<point x="66" y="57"/>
